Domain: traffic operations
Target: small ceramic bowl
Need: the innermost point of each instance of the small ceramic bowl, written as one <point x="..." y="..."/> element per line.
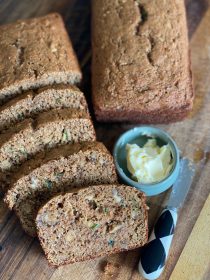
<point x="140" y="135"/>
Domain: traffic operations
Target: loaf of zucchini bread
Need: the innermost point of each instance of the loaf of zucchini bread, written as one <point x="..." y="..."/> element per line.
<point x="47" y="130"/>
<point x="92" y="222"/>
<point x="31" y="103"/>
<point x="60" y="169"/>
<point x="34" y="53"/>
<point x="140" y="61"/>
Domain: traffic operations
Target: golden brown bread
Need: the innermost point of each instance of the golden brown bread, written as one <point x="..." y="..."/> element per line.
<point x="49" y="129"/>
<point x="60" y="169"/>
<point x="140" y="62"/>
<point x="40" y="53"/>
<point x="31" y="103"/>
<point x="92" y="222"/>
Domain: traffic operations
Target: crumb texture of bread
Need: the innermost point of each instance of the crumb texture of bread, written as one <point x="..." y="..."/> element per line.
<point x="140" y="70"/>
<point x="93" y="222"/>
<point x="59" y="170"/>
<point x="31" y="103"/>
<point x="34" y="53"/>
<point x="47" y="130"/>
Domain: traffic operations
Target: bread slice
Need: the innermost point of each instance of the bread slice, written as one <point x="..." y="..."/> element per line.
<point x="93" y="222"/>
<point x="59" y="170"/>
<point x="140" y="61"/>
<point x="49" y="129"/>
<point x="34" y="53"/>
<point x="31" y="103"/>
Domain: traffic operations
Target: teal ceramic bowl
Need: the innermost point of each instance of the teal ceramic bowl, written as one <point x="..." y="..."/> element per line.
<point x="140" y="135"/>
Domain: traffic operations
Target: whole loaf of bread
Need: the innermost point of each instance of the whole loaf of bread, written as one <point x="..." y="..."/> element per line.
<point x="140" y="65"/>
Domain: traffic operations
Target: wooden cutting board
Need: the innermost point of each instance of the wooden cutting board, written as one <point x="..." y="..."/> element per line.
<point x="21" y="257"/>
<point x="194" y="261"/>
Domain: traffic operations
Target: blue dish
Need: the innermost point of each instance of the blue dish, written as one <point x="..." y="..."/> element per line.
<point x="140" y="135"/>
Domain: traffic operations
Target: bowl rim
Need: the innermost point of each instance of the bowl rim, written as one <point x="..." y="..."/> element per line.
<point x="159" y="132"/>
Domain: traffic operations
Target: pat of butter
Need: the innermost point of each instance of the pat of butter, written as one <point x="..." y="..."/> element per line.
<point x="150" y="163"/>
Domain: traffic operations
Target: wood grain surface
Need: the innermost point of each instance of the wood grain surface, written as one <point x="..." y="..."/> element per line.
<point x="21" y="256"/>
<point x="189" y="266"/>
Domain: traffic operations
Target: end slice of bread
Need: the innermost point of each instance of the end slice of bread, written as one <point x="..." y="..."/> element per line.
<point x="95" y="221"/>
<point x="56" y="62"/>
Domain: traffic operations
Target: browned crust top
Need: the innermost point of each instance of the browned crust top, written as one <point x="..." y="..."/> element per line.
<point x="139" y="66"/>
<point x="25" y="67"/>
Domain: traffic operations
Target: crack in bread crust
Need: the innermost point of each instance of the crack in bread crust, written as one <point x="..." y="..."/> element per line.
<point x="138" y="66"/>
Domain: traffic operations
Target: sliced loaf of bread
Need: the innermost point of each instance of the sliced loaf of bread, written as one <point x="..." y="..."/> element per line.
<point x="92" y="222"/>
<point x="59" y="170"/>
<point x="48" y="130"/>
<point x="32" y="103"/>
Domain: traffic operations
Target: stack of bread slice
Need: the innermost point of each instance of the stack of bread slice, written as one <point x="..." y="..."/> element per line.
<point x="48" y="144"/>
<point x="41" y="106"/>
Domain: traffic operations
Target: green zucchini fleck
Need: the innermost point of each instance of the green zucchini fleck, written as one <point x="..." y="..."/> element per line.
<point x="111" y="242"/>
<point x="58" y="100"/>
<point x="65" y="137"/>
<point x="106" y="210"/>
<point x="48" y="184"/>
<point x="95" y="226"/>
<point x="23" y="151"/>
<point x="59" y="175"/>
<point x="20" y="116"/>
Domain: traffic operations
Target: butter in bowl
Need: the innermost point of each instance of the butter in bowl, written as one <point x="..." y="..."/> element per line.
<point x="147" y="158"/>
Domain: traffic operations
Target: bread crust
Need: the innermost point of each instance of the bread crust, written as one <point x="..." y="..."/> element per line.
<point x="131" y="116"/>
<point x="140" y="71"/>
<point x="40" y="54"/>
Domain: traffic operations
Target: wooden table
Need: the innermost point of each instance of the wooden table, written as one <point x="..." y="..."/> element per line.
<point x="21" y="257"/>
